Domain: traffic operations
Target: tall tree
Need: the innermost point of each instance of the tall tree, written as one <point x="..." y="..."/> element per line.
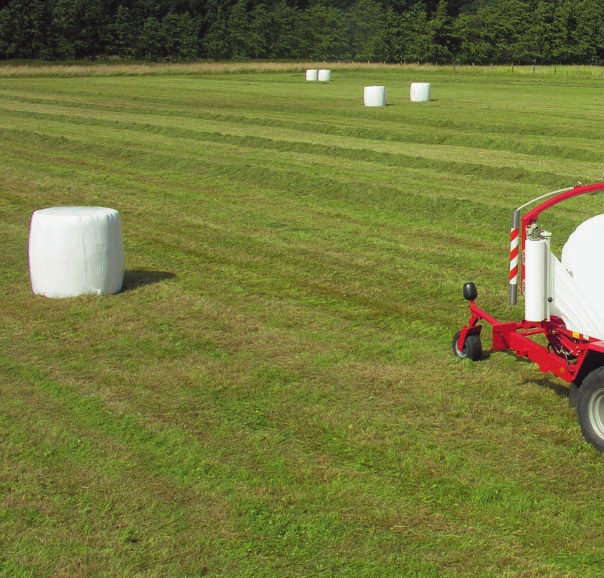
<point x="80" y="28"/>
<point x="442" y="36"/>
<point x="565" y="24"/>
<point x="284" y="38"/>
<point x="151" y="40"/>
<point x="239" y="31"/>
<point x="180" y="34"/>
<point x="507" y="20"/>
<point x="476" y="42"/>
<point x="589" y="31"/>
<point x="123" y="34"/>
<point x="366" y="25"/>
<point x="329" y="33"/>
<point x="216" y="41"/>
<point x="538" y="39"/>
<point x="258" y="36"/>
<point x="24" y="28"/>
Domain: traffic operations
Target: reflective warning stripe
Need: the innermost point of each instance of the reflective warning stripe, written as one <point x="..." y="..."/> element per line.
<point x="514" y="251"/>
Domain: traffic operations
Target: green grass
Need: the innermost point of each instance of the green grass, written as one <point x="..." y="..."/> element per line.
<point x="273" y="393"/>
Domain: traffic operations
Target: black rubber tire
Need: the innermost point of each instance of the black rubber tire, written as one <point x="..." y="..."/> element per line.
<point x="472" y="348"/>
<point x="573" y="394"/>
<point x="590" y="408"/>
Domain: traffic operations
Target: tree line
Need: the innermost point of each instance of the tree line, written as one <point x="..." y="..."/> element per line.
<point x="423" y="31"/>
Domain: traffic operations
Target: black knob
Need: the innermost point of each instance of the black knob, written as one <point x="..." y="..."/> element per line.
<point x="469" y="291"/>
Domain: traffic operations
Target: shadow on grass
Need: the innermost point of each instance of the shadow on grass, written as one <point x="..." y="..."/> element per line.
<point x="559" y="387"/>
<point x="140" y="277"/>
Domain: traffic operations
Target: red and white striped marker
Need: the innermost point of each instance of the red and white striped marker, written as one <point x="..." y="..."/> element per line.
<point x="514" y="254"/>
<point x="514" y="264"/>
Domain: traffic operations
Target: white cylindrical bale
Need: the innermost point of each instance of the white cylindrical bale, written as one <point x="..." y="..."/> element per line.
<point x="375" y="96"/>
<point x="76" y="251"/>
<point x="536" y="276"/>
<point x="581" y="255"/>
<point x="324" y="75"/>
<point x="420" y="92"/>
<point x="312" y="74"/>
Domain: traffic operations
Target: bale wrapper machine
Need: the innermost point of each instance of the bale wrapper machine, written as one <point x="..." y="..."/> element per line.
<point x="563" y="326"/>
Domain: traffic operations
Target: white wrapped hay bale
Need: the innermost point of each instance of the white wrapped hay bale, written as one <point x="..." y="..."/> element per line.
<point x="375" y="96"/>
<point x="578" y="284"/>
<point x="420" y="92"/>
<point x="76" y="251"/>
<point x="324" y="75"/>
<point x="312" y="74"/>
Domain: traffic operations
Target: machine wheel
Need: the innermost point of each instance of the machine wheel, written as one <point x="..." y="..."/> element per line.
<point x="472" y="348"/>
<point x="590" y="408"/>
<point x="573" y="394"/>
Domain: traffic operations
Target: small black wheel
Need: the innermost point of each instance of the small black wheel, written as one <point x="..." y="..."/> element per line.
<point x="472" y="348"/>
<point x="590" y="408"/>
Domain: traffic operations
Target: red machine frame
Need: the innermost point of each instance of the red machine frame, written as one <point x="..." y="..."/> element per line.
<point x="568" y="355"/>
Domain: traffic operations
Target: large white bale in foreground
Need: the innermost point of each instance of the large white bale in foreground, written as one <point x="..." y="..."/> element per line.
<point x="375" y="96"/>
<point x="76" y="251"/>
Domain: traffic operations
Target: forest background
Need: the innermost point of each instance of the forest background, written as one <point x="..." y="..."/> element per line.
<point x="425" y="31"/>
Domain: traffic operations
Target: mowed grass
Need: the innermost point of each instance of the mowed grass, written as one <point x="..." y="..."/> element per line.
<point x="273" y="393"/>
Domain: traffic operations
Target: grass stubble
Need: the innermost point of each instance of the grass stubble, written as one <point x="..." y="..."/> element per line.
<point x="273" y="392"/>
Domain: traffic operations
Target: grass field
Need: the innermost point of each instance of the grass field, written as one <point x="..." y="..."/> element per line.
<point x="273" y="393"/>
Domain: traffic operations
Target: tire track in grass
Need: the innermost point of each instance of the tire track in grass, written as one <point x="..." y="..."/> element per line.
<point x="491" y="167"/>
<point x="497" y="147"/>
<point x="89" y="491"/>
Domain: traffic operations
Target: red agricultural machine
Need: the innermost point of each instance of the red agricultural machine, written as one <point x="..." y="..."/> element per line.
<point x="563" y="328"/>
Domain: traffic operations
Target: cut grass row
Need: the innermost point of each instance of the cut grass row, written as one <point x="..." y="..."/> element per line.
<point x="273" y="393"/>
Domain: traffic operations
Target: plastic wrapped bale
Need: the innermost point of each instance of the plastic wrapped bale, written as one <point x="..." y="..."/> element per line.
<point x="420" y="92"/>
<point x="76" y="251"/>
<point x="374" y="96"/>
<point x="578" y="280"/>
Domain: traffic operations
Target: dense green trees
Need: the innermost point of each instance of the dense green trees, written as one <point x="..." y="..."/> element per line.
<point x="442" y="31"/>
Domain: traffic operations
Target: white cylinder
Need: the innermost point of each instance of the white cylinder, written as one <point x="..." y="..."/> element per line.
<point x="324" y="75"/>
<point x="536" y="257"/>
<point x="75" y="251"/>
<point x="375" y="96"/>
<point x="420" y="92"/>
<point x="312" y="74"/>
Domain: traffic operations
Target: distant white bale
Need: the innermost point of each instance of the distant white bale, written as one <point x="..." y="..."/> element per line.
<point x="324" y="75"/>
<point x="76" y="251"/>
<point x="420" y="92"/>
<point x="375" y="96"/>
<point x="312" y="74"/>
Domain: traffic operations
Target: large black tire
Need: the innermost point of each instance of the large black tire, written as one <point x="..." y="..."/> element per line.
<point x="590" y="408"/>
<point x="472" y="348"/>
<point x="573" y="394"/>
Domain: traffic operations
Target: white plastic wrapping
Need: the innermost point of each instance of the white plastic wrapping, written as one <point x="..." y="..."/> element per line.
<point x="375" y="96"/>
<point x="420" y="92"/>
<point x="312" y="74"/>
<point x="324" y="75"/>
<point x="76" y="251"/>
<point x="536" y="256"/>
<point x="572" y="305"/>
<point x="578" y="284"/>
